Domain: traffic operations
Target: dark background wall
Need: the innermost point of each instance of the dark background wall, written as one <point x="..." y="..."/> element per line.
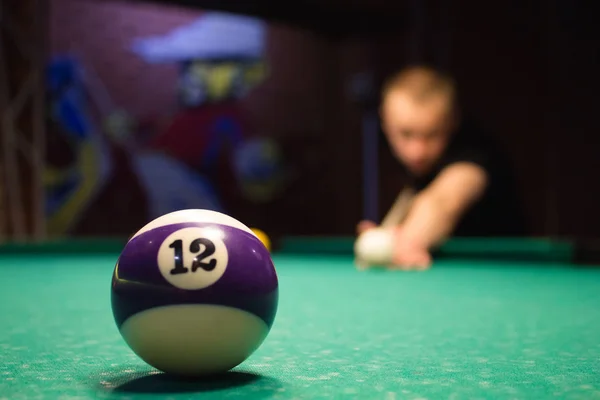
<point x="527" y="72"/>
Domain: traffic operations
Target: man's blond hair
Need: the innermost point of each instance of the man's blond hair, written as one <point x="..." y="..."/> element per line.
<point x="422" y="83"/>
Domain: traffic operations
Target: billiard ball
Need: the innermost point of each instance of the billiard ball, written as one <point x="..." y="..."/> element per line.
<point x="194" y="292"/>
<point x="374" y="247"/>
<point x="262" y="236"/>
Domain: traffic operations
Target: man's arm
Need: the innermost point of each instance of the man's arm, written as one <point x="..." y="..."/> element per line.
<point x="436" y="211"/>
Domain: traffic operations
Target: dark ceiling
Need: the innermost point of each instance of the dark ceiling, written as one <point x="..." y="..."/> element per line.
<point x="335" y="18"/>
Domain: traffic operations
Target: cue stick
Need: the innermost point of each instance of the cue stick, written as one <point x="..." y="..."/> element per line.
<point x="361" y="90"/>
<point x="399" y="209"/>
<point x="370" y="166"/>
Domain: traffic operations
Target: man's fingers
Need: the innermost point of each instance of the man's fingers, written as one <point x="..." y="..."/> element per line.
<point x="364" y="225"/>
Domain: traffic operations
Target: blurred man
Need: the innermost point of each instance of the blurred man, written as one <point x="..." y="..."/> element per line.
<point x="459" y="183"/>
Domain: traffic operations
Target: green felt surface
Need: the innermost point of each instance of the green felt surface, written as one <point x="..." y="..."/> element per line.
<point x="463" y="330"/>
<point x="538" y="249"/>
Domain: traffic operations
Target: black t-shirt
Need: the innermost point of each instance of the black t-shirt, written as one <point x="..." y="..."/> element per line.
<point x="499" y="210"/>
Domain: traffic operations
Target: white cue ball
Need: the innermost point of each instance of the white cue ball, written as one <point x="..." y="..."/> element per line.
<point x="375" y="246"/>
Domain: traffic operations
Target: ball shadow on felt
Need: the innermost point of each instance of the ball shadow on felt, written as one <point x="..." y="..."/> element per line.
<point x="156" y="383"/>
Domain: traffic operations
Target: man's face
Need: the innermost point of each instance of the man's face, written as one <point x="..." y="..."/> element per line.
<point x="417" y="133"/>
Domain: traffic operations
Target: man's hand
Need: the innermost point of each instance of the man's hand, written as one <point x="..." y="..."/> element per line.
<point x="408" y="254"/>
<point x="435" y="212"/>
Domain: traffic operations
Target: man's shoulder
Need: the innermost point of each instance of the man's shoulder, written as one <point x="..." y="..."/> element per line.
<point x="471" y="142"/>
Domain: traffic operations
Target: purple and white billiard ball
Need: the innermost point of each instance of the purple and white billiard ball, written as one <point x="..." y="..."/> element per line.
<point x="194" y="292"/>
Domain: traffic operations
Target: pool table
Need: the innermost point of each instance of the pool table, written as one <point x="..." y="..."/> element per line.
<point x="493" y="319"/>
